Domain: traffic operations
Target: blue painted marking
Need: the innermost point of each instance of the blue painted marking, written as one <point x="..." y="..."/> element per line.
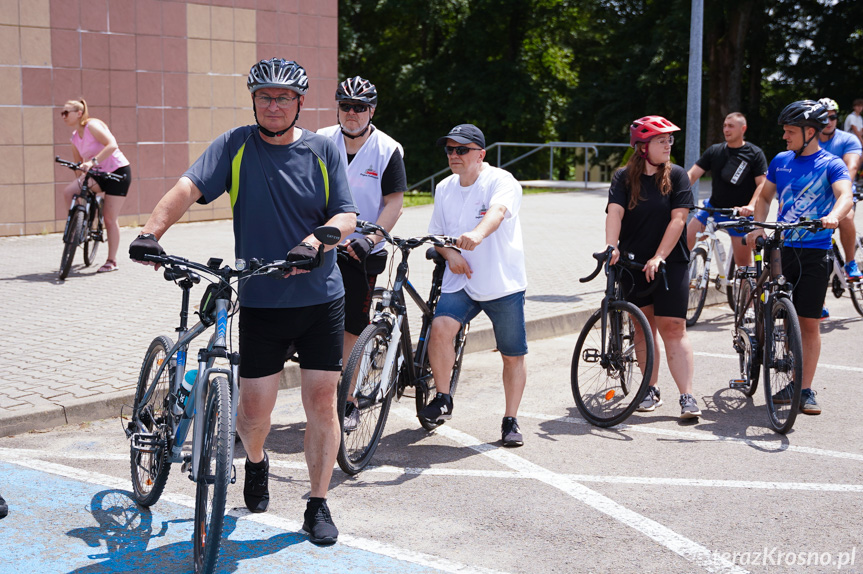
<point x="181" y="358"/>
<point x="56" y="524"/>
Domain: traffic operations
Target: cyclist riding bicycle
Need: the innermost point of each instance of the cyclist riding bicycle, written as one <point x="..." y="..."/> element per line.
<point x="375" y="170"/>
<point x="648" y="202"/>
<point x="845" y="146"/>
<point x="283" y="182"/>
<point x="738" y="169"/>
<point x="807" y="182"/>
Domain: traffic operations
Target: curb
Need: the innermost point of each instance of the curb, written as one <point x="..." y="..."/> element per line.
<point x="109" y="405"/>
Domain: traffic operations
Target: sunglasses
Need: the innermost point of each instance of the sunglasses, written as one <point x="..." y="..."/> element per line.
<point x="459" y="150"/>
<point x="358" y="108"/>
<point x="65" y="113"/>
<point x="834" y="118"/>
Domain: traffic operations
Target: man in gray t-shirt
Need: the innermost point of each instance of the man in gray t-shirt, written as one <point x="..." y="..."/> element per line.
<point x="283" y="182"/>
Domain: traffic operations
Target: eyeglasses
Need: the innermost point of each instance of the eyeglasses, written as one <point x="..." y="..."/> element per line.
<point x="358" y="108"/>
<point x="459" y="150"/>
<point x="282" y="101"/>
<point x="65" y="113"/>
<point x="833" y="118"/>
<point x="663" y="141"/>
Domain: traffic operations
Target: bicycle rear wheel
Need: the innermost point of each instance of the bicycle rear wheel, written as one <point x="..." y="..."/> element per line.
<point x="426" y="388"/>
<point x="608" y="387"/>
<point x="93" y="234"/>
<point x="731" y="287"/>
<point x="697" y="285"/>
<point x="71" y="239"/>
<point x="373" y="391"/>
<point x="214" y="475"/>
<point x="745" y="342"/>
<point x="150" y="425"/>
<point x="783" y="364"/>
<point x="459" y="342"/>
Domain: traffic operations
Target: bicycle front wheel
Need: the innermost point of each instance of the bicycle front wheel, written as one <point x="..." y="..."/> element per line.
<point x="214" y="475"/>
<point x="93" y="235"/>
<point x="607" y="387"/>
<point x="783" y="364"/>
<point x="71" y="239"/>
<point x="362" y="423"/>
<point x="150" y="425"/>
<point x="732" y="285"/>
<point x="697" y="285"/>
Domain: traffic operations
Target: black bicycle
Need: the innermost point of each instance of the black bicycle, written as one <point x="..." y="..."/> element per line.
<point x="766" y="327"/>
<point x="85" y="223"/>
<point x="606" y="385"/>
<point x="168" y="398"/>
<point x="384" y="361"/>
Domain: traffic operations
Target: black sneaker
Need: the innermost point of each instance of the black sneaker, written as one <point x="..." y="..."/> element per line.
<point x="256" y="491"/>
<point x="510" y="434"/>
<point x="4" y="509"/>
<point x="439" y="409"/>
<point x="318" y="523"/>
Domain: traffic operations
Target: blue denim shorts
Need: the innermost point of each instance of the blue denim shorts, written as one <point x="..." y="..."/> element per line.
<point x="506" y="314"/>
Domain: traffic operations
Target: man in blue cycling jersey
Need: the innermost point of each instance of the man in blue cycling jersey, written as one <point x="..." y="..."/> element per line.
<point x="845" y="146"/>
<point x="808" y="182"/>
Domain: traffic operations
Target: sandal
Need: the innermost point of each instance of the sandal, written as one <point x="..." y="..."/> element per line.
<point x="109" y="266"/>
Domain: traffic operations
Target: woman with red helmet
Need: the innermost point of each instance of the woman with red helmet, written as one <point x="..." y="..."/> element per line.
<point x="648" y="202"/>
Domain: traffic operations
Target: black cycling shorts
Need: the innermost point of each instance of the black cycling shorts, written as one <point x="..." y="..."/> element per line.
<point x="359" y="286"/>
<point x="671" y="303"/>
<point x="808" y="270"/>
<point x="316" y="332"/>
<point x="118" y="188"/>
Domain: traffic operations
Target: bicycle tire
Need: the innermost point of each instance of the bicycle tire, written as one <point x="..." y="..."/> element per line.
<point x="697" y="285"/>
<point x="730" y="292"/>
<point x="459" y="342"/>
<point x="71" y="239"/>
<point x="150" y="469"/>
<point x="744" y="339"/>
<point x="426" y="390"/>
<point x="783" y="364"/>
<point x="214" y="475"/>
<point x="605" y="396"/>
<point x="358" y="446"/>
<point x="856" y="289"/>
<point x="93" y="234"/>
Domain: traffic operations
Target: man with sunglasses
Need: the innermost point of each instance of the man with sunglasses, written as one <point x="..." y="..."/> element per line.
<point x="739" y="170"/>
<point x="846" y="147"/>
<point x="480" y="205"/>
<point x="374" y="165"/>
<point x="283" y="182"/>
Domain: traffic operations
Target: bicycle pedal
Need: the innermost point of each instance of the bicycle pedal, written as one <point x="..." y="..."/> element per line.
<point x="738" y="383"/>
<point x="145" y="442"/>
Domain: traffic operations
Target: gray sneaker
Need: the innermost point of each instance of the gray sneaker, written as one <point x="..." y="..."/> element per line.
<point x="352" y="417"/>
<point x="808" y="406"/>
<point x="689" y="407"/>
<point x="510" y="434"/>
<point x="651" y="401"/>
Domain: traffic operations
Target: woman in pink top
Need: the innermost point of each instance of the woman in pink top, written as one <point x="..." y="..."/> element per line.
<point x="95" y="146"/>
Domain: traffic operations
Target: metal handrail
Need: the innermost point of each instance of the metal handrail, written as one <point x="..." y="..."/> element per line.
<point x="588" y="146"/>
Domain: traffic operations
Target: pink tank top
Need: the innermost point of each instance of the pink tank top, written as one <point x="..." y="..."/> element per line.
<point x="89" y="146"/>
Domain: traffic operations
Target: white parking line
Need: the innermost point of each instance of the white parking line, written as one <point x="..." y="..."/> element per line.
<point x="688" y="549"/>
<point x="704" y="436"/>
<point x="820" y="365"/>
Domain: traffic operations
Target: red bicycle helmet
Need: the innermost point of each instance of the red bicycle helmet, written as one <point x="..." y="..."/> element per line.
<point x="647" y="127"/>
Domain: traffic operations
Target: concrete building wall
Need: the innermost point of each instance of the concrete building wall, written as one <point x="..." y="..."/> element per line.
<point x="166" y="76"/>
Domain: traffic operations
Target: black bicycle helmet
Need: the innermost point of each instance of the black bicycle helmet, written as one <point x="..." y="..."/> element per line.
<point x="804" y="113"/>
<point x="357" y="89"/>
<point x="278" y="73"/>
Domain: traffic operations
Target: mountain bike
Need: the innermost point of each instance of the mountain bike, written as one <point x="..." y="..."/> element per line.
<point x="605" y="384"/>
<point x="708" y="243"/>
<point x="85" y="223"/>
<point x="168" y="398"/>
<point x="384" y="361"/>
<point x="766" y="327"/>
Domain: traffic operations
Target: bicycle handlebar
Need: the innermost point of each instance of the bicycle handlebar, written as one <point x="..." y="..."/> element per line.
<point x="727" y="211"/>
<point x="625" y="261"/>
<point x="96" y="173"/>
<point x="368" y="228"/>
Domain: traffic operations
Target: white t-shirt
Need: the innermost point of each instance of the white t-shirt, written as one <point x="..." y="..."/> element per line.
<point x="853" y="120"/>
<point x="497" y="264"/>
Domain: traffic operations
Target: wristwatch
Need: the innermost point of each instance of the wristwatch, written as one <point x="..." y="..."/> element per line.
<point x="95" y="161"/>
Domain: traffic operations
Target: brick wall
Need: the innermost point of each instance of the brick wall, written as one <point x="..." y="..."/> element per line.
<point x="166" y="76"/>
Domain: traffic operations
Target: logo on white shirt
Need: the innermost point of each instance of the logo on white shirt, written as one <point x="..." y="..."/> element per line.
<point x="370" y="172"/>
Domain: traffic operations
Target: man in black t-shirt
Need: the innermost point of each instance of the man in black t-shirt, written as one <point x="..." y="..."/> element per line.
<point x="739" y="171"/>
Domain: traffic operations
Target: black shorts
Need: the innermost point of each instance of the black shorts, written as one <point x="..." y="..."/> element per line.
<point x="316" y="333"/>
<point x="359" y="286"/>
<point x="118" y="188"/>
<point x="671" y="303"/>
<point x="808" y="270"/>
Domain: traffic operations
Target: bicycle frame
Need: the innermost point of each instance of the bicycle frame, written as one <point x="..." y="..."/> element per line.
<point x="710" y="242"/>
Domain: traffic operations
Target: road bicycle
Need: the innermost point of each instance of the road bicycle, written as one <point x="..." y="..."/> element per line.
<point x="839" y="282"/>
<point x="606" y="384"/>
<point x="85" y="223"/>
<point x="766" y="327"/>
<point x="168" y="399"/>
<point x="384" y="361"/>
<point x="707" y="244"/>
